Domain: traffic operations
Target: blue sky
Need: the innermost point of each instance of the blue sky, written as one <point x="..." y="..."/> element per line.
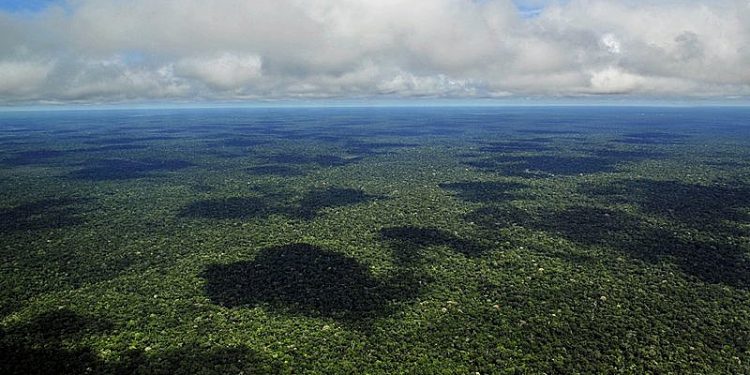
<point x="115" y="51"/>
<point x="530" y="8"/>
<point x="26" y="5"/>
<point x="35" y="5"/>
<point x="525" y="6"/>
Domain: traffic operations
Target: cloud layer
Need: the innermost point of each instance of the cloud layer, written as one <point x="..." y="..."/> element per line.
<point x="115" y="50"/>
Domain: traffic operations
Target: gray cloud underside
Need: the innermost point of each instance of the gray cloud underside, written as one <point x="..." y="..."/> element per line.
<point x="114" y="50"/>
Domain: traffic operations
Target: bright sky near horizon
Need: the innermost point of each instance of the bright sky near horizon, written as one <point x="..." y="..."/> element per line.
<point x="109" y="51"/>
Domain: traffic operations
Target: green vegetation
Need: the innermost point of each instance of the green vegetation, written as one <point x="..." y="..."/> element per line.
<point x="375" y="241"/>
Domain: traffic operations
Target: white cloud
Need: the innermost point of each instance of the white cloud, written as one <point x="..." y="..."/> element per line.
<point x="613" y="80"/>
<point x="611" y="43"/>
<point x="227" y="71"/>
<point x="22" y="78"/>
<point x="109" y="50"/>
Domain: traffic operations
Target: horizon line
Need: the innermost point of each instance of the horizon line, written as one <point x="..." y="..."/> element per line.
<point x="446" y="103"/>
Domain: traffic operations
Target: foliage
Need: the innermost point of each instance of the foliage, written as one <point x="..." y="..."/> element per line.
<point x="511" y="240"/>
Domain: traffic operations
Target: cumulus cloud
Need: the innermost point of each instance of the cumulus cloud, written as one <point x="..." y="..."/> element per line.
<point x="113" y="50"/>
<point x="224" y="72"/>
<point x="22" y="77"/>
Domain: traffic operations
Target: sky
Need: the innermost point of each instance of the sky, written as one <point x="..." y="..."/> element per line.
<point x="121" y="51"/>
